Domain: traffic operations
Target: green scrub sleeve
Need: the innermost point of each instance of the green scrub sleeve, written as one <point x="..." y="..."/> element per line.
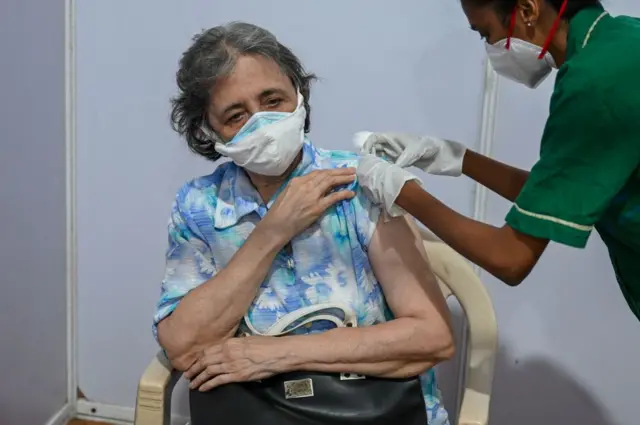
<point x="589" y="151"/>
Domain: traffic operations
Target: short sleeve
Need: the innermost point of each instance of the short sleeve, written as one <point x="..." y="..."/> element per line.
<point x="589" y="151"/>
<point x="189" y="261"/>
<point x="366" y="215"/>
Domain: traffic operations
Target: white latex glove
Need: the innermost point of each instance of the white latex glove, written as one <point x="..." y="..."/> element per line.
<point x="430" y="154"/>
<point x="382" y="182"/>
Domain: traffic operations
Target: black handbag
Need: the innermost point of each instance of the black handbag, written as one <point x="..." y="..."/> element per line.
<point x="310" y="398"/>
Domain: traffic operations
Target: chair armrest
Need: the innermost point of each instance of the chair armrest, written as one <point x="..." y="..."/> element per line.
<point x="457" y="277"/>
<point x="153" y="403"/>
<point x="481" y="358"/>
<point x="474" y="409"/>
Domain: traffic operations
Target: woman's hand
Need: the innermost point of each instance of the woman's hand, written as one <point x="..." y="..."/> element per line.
<point x="430" y="154"/>
<point x="306" y="198"/>
<point x="236" y="360"/>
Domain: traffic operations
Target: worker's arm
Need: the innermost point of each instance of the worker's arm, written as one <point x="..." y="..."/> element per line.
<point x="584" y="169"/>
<point x="503" y="179"/>
<point x="504" y="252"/>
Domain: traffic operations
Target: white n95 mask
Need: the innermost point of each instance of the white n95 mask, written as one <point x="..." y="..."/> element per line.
<point x="268" y="142"/>
<point x="520" y="62"/>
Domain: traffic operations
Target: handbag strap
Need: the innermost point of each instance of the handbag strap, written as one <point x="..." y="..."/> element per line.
<point x="316" y="314"/>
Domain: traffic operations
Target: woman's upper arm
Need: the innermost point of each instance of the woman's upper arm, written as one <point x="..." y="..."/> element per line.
<point x="401" y="265"/>
<point x="189" y="263"/>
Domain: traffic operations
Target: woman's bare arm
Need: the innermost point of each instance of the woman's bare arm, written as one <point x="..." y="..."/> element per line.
<point x="416" y="340"/>
<point x="210" y="313"/>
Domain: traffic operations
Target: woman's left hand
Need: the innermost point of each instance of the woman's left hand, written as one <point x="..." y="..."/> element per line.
<point x="236" y="360"/>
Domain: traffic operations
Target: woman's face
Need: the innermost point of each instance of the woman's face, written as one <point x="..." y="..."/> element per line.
<point x="493" y="27"/>
<point x="256" y="84"/>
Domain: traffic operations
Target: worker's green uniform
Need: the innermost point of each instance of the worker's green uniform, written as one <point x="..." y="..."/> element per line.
<point x="588" y="174"/>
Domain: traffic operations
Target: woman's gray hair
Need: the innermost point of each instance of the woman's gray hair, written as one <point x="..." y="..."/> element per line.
<point x="212" y="55"/>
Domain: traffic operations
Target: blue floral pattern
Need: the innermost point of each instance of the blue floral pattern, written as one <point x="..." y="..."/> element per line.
<point x="212" y="217"/>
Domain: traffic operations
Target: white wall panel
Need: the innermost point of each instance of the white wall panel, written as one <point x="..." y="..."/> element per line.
<point x="33" y="315"/>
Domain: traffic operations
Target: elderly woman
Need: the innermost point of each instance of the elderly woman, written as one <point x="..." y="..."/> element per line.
<point x="280" y="227"/>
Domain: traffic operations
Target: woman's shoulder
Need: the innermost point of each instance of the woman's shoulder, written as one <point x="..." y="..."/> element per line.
<point x="362" y="211"/>
<point x="207" y="185"/>
<point x="334" y="158"/>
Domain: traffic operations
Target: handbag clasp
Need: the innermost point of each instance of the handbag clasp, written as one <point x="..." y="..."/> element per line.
<point x="351" y="376"/>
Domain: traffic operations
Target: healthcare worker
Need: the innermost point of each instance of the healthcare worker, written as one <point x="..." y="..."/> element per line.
<point x="588" y="173"/>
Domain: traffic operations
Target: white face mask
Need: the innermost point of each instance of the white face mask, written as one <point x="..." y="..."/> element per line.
<point x="520" y="62"/>
<point x="268" y="142"/>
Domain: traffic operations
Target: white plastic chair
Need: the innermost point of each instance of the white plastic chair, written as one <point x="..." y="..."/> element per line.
<point x="456" y="277"/>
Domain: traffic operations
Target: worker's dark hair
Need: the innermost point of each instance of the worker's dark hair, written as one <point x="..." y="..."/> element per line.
<point x="505" y="7"/>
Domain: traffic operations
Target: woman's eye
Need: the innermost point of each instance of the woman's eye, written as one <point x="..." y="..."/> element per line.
<point x="272" y="103"/>
<point x="234" y="119"/>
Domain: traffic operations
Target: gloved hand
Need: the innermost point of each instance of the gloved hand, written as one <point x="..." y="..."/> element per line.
<point x="382" y="182"/>
<point x="435" y="156"/>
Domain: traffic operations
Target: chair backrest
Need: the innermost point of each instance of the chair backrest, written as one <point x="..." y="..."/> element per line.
<point x="456" y="277"/>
